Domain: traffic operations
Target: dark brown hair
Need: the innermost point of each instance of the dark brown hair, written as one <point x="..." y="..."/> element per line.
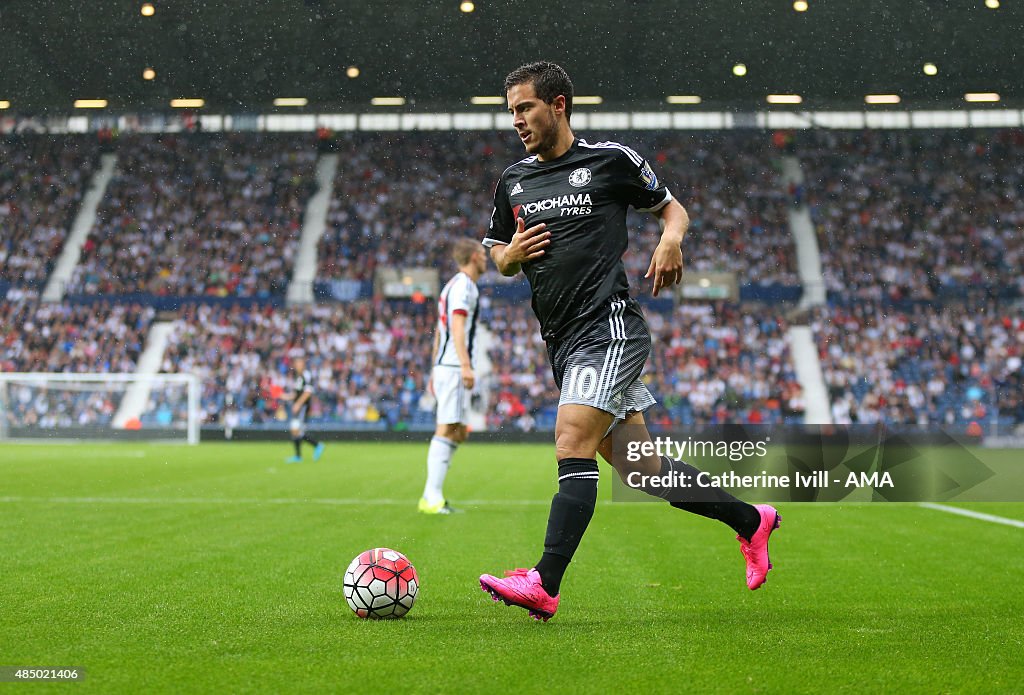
<point x="548" y="79"/>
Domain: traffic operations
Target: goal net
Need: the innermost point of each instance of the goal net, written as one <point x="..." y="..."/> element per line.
<point x="159" y="407"/>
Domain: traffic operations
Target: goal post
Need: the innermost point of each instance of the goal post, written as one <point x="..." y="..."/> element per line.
<point x="71" y="407"/>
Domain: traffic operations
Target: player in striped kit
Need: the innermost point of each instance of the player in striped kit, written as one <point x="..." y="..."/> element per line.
<point x="302" y="400"/>
<point x="560" y="217"/>
<point x="452" y="376"/>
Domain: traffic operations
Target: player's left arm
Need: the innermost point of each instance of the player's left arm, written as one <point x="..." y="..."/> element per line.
<point x="667" y="262"/>
<point x="433" y="356"/>
<point x="461" y="347"/>
<point x="646" y="193"/>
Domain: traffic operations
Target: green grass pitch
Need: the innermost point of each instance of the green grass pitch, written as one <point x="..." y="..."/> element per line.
<point x="218" y="568"/>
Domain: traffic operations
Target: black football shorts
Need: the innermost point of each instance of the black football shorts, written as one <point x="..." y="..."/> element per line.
<point x="600" y="363"/>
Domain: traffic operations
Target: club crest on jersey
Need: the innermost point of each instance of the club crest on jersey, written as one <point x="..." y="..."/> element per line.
<point x="648" y="177"/>
<point x="580" y="177"/>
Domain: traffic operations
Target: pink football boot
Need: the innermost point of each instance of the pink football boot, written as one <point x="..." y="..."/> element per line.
<point x="523" y="588"/>
<point x="755" y="552"/>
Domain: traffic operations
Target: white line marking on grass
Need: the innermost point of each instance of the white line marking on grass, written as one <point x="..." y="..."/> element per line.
<point x="111" y="454"/>
<point x="48" y="441"/>
<point x="339" y="502"/>
<point x="87" y="454"/>
<point x="974" y="515"/>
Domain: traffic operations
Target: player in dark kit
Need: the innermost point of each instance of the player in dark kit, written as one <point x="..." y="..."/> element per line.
<point x="560" y="217"/>
<point x="302" y="397"/>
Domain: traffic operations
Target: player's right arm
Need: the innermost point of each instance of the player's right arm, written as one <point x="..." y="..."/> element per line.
<point x="511" y="244"/>
<point x="526" y="244"/>
<point x="437" y="343"/>
<point x="302" y="398"/>
<point x="301" y="401"/>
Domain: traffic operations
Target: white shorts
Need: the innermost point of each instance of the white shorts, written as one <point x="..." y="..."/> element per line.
<point x="296" y="423"/>
<point x="452" y="396"/>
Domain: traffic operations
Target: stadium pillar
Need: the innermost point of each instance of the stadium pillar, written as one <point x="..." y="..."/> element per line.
<point x="808" y="257"/>
<point x="84" y="220"/>
<point x="300" y="289"/>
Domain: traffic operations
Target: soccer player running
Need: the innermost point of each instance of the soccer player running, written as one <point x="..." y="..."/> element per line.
<point x="452" y="376"/>
<point x="560" y="217"/>
<point x="301" y="398"/>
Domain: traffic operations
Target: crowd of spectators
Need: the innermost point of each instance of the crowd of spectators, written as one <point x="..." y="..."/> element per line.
<point x="219" y="215"/>
<point x="194" y="214"/>
<point x="522" y="390"/>
<point x="42" y="181"/>
<point x="70" y="338"/>
<point x="398" y="197"/>
<point x="369" y="360"/>
<point x="724" y="363"/>
<point x="927" y="365"/>
<point x="731" y="186"/>
<point x="917" y="215"/>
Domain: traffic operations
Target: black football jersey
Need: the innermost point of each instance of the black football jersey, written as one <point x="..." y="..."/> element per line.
<point x="582" y="197"/>
<point x="303" y="383"/>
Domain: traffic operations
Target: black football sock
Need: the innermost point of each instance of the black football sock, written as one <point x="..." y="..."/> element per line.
<point x="572" y="507"/>
<point x="551" y="569"/>
<point x="298" y="447"/>
<point x="312" y="441"/>
<point x="712" y="502"/>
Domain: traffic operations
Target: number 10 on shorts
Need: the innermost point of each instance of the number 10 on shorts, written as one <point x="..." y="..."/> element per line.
<point x="582" y="383"/>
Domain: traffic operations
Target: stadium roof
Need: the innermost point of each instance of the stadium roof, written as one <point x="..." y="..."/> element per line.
<point x="240" y="56"/>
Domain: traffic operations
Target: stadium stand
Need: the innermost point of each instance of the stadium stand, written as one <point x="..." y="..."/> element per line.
<point x="917" y="215"/>
<point x="920" y="237"/>
<point x="42" y="180"/>
<point x="399" y="197"/>
<point x="65" y="337"/>
<point x="199" y="215"/>
<point x="368" y="359"/>
<point x="710" y="364"/>
<point x="921" y="246"/>
<point x="720" y="363"/>
<point x="523" y="392"/>
<point x="928" y="365"/>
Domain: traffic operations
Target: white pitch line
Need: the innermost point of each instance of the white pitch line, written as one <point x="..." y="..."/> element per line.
<point x="86" y="454"/>
<point x="340" y="502"/>
<point x="974" y="515"/>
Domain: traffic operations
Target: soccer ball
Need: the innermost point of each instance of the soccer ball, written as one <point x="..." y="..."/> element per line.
<point x="381" y="583"/>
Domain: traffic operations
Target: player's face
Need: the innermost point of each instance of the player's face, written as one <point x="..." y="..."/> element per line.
<point x="300" y="365"/>
<point x="480" y="258"/>
<point x="535" y="121"/>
